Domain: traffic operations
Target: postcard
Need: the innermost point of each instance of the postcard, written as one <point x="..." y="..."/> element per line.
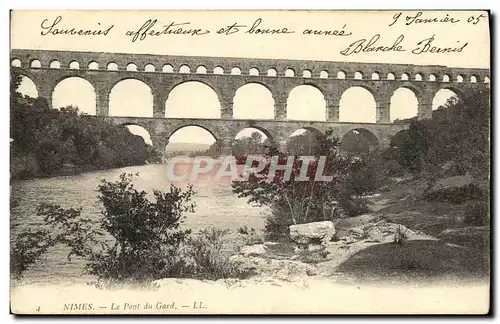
<point x="250" y="162"/>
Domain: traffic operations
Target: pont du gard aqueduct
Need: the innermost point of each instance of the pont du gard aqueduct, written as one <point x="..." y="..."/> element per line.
<point x="225" y="75"/>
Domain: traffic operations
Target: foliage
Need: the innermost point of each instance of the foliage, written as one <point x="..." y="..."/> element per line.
<point x="135" y="240"/>
<point x="459" y="132"/>
<point x="354" y="206"/>
<point x="293" y="201"/>
<point x="400" y="236"/>
<point x="209" y="258"/>
<point x="58" y="137"/>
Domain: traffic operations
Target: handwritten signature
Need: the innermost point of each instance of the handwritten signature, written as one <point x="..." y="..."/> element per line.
<point x="373" y="45"/>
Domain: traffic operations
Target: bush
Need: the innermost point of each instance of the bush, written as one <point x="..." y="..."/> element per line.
<point x="354" y="206"/>
<point x="477" y="213"/>
<point x="210" y="261"/>
<point x="135" y="240"/>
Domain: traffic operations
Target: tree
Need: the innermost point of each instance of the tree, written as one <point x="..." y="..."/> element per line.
<point x="54" y="137"/>
<point x="293" y="201"/>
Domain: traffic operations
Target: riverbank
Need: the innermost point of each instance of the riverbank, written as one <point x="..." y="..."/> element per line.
<point x="25" y="167"/>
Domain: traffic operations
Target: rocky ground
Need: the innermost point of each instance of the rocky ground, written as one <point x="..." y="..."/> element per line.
<point x="433" y="245"/>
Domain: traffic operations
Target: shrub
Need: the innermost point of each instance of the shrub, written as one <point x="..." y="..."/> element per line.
<point x="295" y="201"/>
<point x="250" y="236"/>
<point x="210" y="261"/>
<point x="354" y="206"/>
<point x="476" y="213"/>
<point x="135" y="240"/>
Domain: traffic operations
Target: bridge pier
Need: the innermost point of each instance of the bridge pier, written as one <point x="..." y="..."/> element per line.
<point x="102" y="103"/>
<point x="332" y="109"/>
<point x="280" y="107"/>
<point x="383" y="114"/>
<point x="226" y="104"/>
<point x="159" y="102"/>
<point x="45" y="91"/>
<point x="425" y="108"/>
<point x="160" y="145"/>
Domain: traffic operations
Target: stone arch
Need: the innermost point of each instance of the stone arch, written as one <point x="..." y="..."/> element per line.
<point x="303" y="129"/>
<point x="359" y="140"/>
<point x="218" y="70"/>
<point x="432" y="77"/>
<point x="306" y="95"/>
<point x="289" y="72"/>
<point x="460" y="78"/>
<point x="112" y="66"/>
<point x="93" y="65"/>
<point x="375" y="76"/>
<point x="256" y="98"/>
<point x="131" y="67"/>
<point x="182" y="126"/>
<point x="16" y="62"/>
<point x="358" y="75"/>
<point x="390" y="76"/>
<point x="185" y="69"/>
<point x="235" y="71"/>
<point x="55" y="64"/>
<point x="341" y="75"/>
<point x="486" y="79"/>
<point x="445" y="96"/>
<point x="201" y="69"/>
<point x="404" y="103"/>
<point x="74" y="65"/>
<point x="272" y="72"/>
<point x="446" y="78"/>
<point x="253" y="71"/>
<point x="128" y="96"/>
<point x="473" y="79"/>
<point x="139" y="130"/>
<point x="303" y="141"/>
<point x="27" y="87"/>
<point x="399" y="138"/>
<point x="149" y="67"/>
<point x="357" y="104"/>
<point x="418" y="77"/>
<point x="182" y="104"/>
<point x="167" y="68"/>
<point x="35" y="64"/>
<point x="306" y="74"/>
<point x="323" y="74"/>
<point x="405" y="77"/>
<point x="75" y="91"/>
<point x="247" y="142"/>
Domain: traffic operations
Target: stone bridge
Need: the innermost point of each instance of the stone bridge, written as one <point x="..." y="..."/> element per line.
<point x="278" y="132"/>
<point x="162" y="73"/>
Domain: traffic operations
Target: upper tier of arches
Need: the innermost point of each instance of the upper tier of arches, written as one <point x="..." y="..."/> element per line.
<point x="248" y="67"/>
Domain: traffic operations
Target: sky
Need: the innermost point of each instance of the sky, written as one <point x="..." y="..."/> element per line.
<point x="133" y="98"/>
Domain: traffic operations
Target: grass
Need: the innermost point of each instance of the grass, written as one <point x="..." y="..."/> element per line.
<point x="417" y="260"/>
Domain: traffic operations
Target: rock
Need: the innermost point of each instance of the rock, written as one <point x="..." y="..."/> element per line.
<point x="315" y="247"/>
<point x="312" y="233"/>
<point x="374" y="235"/>
<point x="274" y="267"/>
<point x="253" y="250"/>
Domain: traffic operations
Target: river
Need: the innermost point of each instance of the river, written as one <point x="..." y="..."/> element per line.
<point x="216" y="206"/>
